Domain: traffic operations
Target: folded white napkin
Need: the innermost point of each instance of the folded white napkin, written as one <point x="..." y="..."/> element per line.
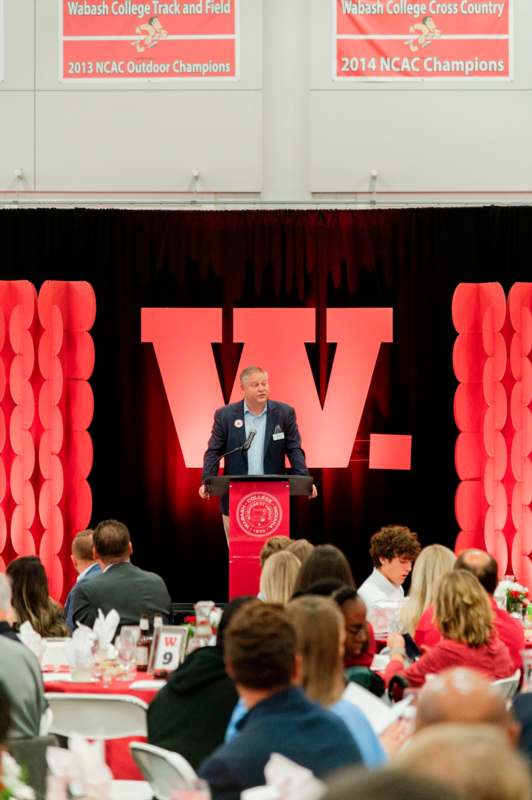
<point x="33" y="640"/>
<point x="79" y="648"/>
<point x="291" y="781"/>
<point x="105" y="628"/>
<point x="82" y="768"/>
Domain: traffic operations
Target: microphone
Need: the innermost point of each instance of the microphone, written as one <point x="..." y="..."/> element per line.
<point x="243" y="448"/>
<point x="247" y="443"/>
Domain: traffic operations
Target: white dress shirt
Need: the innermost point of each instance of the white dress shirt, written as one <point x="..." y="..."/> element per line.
<point x="256" y="422"/>
<point x="377" y="589"/>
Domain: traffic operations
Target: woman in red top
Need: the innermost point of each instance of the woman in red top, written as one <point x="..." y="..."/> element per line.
<point x="431" y="565"/>
<point x="465" y="620"/>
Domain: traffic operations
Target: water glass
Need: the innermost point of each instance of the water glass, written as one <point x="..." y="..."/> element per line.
<point x="127" y="648"/>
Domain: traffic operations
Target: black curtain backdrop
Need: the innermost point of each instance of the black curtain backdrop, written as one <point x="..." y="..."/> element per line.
<point x="411" y="260"/>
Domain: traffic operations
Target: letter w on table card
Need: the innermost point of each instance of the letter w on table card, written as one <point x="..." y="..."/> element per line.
<point x="169" y="648"/>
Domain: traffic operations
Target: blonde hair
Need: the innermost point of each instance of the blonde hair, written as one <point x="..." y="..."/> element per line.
<point x="319" y="625"/>
<point x="463" y="612"/>
<point x="273" y="545"/>
<point x="431" y="565"/>
<point x="475" y="760"/>
<point x="278" y="577"/>
<point x="301" y="548"/>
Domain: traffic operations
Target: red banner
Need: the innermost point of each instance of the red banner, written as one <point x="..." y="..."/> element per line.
<point x="2" y="42"/>
<point x="257" y="511"/>
<point x="149" y="39"/>
<point x="434" y="39"/>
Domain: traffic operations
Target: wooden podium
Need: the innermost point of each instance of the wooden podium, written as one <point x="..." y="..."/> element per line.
<point x="259" y="508"/>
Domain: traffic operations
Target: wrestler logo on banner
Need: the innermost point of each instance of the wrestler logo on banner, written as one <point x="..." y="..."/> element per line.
<point x="276" y="338"/>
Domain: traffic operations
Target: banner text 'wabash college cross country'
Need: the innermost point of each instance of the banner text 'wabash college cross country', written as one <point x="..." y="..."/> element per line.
<point x="275" y="338"/>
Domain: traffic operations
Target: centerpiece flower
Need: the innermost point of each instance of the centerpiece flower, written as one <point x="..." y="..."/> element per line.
<point x="516" y="598"/>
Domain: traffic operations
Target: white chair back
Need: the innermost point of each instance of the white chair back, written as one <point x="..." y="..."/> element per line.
<point x="164" y="770"/>
<point x="97" y="716"/>
<point x="508" y="686"/>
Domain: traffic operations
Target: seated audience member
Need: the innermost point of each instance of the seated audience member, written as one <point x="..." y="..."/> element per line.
<point x="320" y="631"/>
<point x="522" y="711"/>
<point x="326" y="562"/>
<point x="415" y="616"/>
<point x="261" y="656"/>
<point x="6" y="611"/>
<point x="191" y="713"/>
<point x="360" y="645"/>
<point x="128" y="589"/>
<point x="274" y="545"/>
<point x="484" y="567"/>
<point x="301" y="548"/>
<point x="86" y="566"/>
<point x="464" y="696"/>
<point x="475" y="760"/>
<point x="278" y="577"/>
<point x="510" y="630"/>
<point x="464" y="618"/>
<point x="12" y="783"/>
<point x="393" y="550"/>
<point x="386" y="784"/>
<point x="30" y="598"/>
<point x="21" y="676"/>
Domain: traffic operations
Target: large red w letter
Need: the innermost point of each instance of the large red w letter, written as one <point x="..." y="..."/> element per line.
<point x="274" y="338"/>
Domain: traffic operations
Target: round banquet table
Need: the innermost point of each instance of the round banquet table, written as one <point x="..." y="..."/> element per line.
<point x="117" y="753"/>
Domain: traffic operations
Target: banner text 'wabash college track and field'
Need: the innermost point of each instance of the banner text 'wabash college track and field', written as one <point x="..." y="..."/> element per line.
<point x="149" y="40"/>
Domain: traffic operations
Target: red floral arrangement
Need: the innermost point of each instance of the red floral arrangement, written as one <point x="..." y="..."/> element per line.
<point x="516" y="598"/>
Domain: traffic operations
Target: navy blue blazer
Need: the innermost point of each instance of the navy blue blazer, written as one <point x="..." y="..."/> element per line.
<point x="225" y="436"/>
<point x="286" y="723"/>
<point x="69" y="605"/>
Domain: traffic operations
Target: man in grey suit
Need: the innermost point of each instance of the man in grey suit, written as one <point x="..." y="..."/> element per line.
<point x="122" y="586"/>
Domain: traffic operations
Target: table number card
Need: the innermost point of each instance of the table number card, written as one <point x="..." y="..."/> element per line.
<point x="168" y="649"/>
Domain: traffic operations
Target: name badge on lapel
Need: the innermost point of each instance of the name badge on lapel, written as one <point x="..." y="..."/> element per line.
<point x="277" y="434"/>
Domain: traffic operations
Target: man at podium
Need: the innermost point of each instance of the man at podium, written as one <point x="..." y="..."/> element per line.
<point x="254" y="434"/>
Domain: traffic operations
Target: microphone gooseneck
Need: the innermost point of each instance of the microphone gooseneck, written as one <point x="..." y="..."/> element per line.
<point x="247" y="443"/>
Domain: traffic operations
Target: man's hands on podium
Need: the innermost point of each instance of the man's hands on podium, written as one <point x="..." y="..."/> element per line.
<point x="204" y="492"/>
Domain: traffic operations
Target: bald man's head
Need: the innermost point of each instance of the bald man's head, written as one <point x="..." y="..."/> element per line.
<point x="464" y="695"/>
<point x="482" y="565"/>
